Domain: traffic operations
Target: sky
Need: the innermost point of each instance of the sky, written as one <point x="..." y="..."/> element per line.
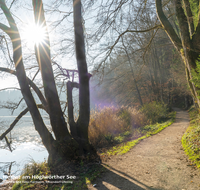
<point x="24" y="18"/>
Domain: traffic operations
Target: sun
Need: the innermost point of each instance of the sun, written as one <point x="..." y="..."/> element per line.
<point x="34" y="34"/>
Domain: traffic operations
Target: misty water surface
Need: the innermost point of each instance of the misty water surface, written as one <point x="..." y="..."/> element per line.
<point x="26" y="146"/>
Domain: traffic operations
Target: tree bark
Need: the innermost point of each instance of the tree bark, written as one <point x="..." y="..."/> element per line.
<point x="81" y="131"/>
<point x="65" y="145"/>
<point x="13" y="33"/>
<point x="186" y="46"/>
<point x="42" y="51"/>
<point x="135" y="82"/>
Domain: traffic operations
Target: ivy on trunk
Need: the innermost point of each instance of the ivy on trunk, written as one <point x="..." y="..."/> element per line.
<point x="188" y="42"/>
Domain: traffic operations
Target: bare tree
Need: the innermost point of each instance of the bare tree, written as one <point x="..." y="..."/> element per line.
<point x="66" y="144"/>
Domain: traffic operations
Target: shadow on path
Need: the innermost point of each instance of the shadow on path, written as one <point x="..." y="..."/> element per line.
<point x="119" y="181"/>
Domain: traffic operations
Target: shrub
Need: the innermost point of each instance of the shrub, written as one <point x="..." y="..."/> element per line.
<point x="191" y="138"/>
<point x="108" y="122"/>
<point x="104" y="125"/>
<point x="34" y="168"/>
<point x="155" y="111"/>
<point x="137" y="118"/>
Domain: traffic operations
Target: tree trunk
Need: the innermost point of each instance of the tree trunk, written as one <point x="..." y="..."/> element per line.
<point x="64" y="146"/>
<point x="81" y="127"/>
<point x="135" y="82"/>
<point x="74" y="145"/>
<point x="188" y="45"/>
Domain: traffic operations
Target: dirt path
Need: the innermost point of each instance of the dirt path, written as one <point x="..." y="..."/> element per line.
<point x="156" y="163"/>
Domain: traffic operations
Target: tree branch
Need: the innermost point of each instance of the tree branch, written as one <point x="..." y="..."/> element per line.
<point x="65" y="72"/>
<point x="197" y="32"/>
<point x="72" y="124"/>
<point x="120" y="36"/>
<point x="24" y="112"/>
<point x="8" y="143"/>
<point x="8" y="15"/>
<point x="14" y="123"/>
<point x="32" y="84"/>
<point x="167" y="26"/>
<point x="42" y="52"/>
<point x="10" y="88"/>
<point x="189" y="16"/>
<point x="7" y="49"/>
<point x="5" y="28"/>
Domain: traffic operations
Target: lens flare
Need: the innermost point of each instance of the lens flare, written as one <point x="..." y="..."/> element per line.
<point x="34" y="34"/>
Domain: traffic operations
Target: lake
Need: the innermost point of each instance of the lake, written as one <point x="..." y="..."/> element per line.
<point x="26" y="146"/>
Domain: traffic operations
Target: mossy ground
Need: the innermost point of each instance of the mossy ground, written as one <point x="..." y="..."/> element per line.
<point x="191" y="138"/>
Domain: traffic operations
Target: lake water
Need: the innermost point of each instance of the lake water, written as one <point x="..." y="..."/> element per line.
<point x="26" y="146"/>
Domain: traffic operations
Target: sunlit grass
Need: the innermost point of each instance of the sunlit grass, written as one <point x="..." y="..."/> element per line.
<point x="119" y="128"/>
<point x="147" y="130"/>
<point x="110" y="126"/>
<point x="191" y="138"/>
<point x="85" y="177"/>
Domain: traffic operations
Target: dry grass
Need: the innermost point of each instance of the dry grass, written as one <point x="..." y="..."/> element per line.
<point x="108" y="122"/>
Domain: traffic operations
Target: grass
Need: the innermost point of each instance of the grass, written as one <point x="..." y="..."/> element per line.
<point x="191" y="138"/>
<point x="110" y="125"/>
<point x="145" y="132"/>
<point x="119" y="128"/>
<point x="106" y="124"/>
<point x="87" y="174"/>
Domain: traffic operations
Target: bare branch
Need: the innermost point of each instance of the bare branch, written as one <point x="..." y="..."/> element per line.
<point x="189" y="16"/>
<point x="119" y="37"/>
<point x="12" y="4"/>
<point x="17" y="105"/>
<point x="11" y="88"/>
<point x="8" y="143"/>
<point x="167" y="26"/>
<point x="14" y="123"/>
<point x="148" y="45"/>
<point x="11" y="105"/>
<point x="24" y="112"/>
<point x="32" y="84"/>
<point x="9" y="17"/>
<point x="65" y="72"/>
<point x="7" y="49"/>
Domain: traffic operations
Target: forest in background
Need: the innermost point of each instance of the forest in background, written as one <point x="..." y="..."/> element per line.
<point x="135" y="77"/>
<point x="134" y="69"/>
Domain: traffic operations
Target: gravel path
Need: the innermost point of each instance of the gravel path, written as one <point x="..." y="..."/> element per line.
<point x="156" y="163"/>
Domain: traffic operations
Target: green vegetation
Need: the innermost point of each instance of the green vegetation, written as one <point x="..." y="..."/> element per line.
<point x="195" y="73"/>
<point x="110" y="125"/>
<point x="86" y="174"/>
<point x="113" y="131"/>
<point x="144" y="132"/>
<point x="191" y="138"/>
<point x="106" y="125"/>
<point x="194" y="8"/>
<point x="155" y="111"/>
